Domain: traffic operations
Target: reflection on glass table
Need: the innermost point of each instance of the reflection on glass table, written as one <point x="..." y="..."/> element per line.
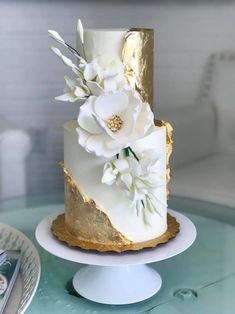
<point x="200" y="280"/>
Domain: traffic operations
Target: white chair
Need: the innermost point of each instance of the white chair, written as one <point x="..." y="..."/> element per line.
<point x="14" y="148"/>
<point x="203" y="159"/>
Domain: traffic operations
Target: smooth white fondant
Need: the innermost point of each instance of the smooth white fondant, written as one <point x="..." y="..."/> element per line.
<point x="99" y="42"/>
<point x="87" y="171"/>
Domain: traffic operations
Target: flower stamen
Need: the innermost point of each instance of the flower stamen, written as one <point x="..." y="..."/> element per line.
<point x="114" y="123"/>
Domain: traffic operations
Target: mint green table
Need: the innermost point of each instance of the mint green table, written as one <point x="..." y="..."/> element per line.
<point x="199" y="281"/>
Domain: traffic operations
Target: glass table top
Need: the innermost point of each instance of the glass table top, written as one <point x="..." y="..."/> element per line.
<point x="199" y="280"/>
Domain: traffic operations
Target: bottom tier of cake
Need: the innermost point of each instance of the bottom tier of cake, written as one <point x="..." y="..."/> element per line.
<point x="101" y="217"/>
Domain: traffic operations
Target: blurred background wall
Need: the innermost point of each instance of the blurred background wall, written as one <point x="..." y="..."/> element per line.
<point x="186" y="32"/>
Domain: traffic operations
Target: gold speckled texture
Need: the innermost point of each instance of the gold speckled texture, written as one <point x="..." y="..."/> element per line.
<point x="61" y="232"/>
<point x="85" y="220"/>
<point x="137" y="57"/>
<point x="169" y="148"/>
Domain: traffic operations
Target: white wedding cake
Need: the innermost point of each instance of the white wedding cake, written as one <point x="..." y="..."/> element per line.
<point x="116" y="157"/>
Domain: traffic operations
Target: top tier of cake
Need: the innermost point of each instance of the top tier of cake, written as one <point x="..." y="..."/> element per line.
<point x="102" y="42"/>
<point x="132" y="48"/>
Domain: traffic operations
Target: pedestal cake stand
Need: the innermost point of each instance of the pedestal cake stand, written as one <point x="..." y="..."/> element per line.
<point x="117" y="278"/>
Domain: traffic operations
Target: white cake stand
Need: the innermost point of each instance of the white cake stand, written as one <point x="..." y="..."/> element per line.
<point x="113" y="278"/>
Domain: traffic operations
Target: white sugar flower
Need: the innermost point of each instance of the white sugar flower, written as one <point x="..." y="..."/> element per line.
<point x="112" y="121"/>
<point x="139" y="177"/>
<point x="67" y="61"/>
<point x="98" y="75"/>
<point x="74" y="90"/>
<point x="102" y="76"/>
<point x="109" y="174"/>
<point x="56" y="36"/>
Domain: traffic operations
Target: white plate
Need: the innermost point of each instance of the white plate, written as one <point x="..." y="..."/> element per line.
<point x="28" y="278"/>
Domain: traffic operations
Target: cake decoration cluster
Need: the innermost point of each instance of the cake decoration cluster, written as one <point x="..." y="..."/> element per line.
<point x="110" y="120"/>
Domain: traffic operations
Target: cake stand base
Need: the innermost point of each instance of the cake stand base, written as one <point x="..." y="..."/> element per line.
<point x="113" y="278"/>
<point x="117" y="284"/>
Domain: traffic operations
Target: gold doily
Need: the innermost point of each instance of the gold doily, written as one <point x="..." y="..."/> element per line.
<point x="59" y="230"/>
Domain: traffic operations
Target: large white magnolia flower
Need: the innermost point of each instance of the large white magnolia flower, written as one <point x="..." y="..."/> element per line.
<point x="139" y="178"/>
<point x="112" y="121"/>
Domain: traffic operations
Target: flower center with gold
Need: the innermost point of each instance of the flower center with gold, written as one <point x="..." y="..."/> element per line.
<point x="114" y="123"/>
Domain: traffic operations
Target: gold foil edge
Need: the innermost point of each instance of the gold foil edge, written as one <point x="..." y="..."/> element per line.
<point x="59" y="230"/>
<point x="169" y="148"/>
<point x="137" y="57"/>
<point x="85" y="219"/>
<point x="74" y="186"/>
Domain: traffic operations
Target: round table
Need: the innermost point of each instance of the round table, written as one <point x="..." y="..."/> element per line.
<point x="200" y="280"/>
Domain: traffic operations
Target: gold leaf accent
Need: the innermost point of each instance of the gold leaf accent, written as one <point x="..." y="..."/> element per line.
<point x="60" y="231"/>
<point x="84" y="219"/>
<point x="137" y="57"/>
<point x="169" y="148"/>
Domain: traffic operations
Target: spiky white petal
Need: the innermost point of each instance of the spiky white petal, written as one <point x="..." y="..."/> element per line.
<point x="56" y="36"/>
<point x="80" y="30"/>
